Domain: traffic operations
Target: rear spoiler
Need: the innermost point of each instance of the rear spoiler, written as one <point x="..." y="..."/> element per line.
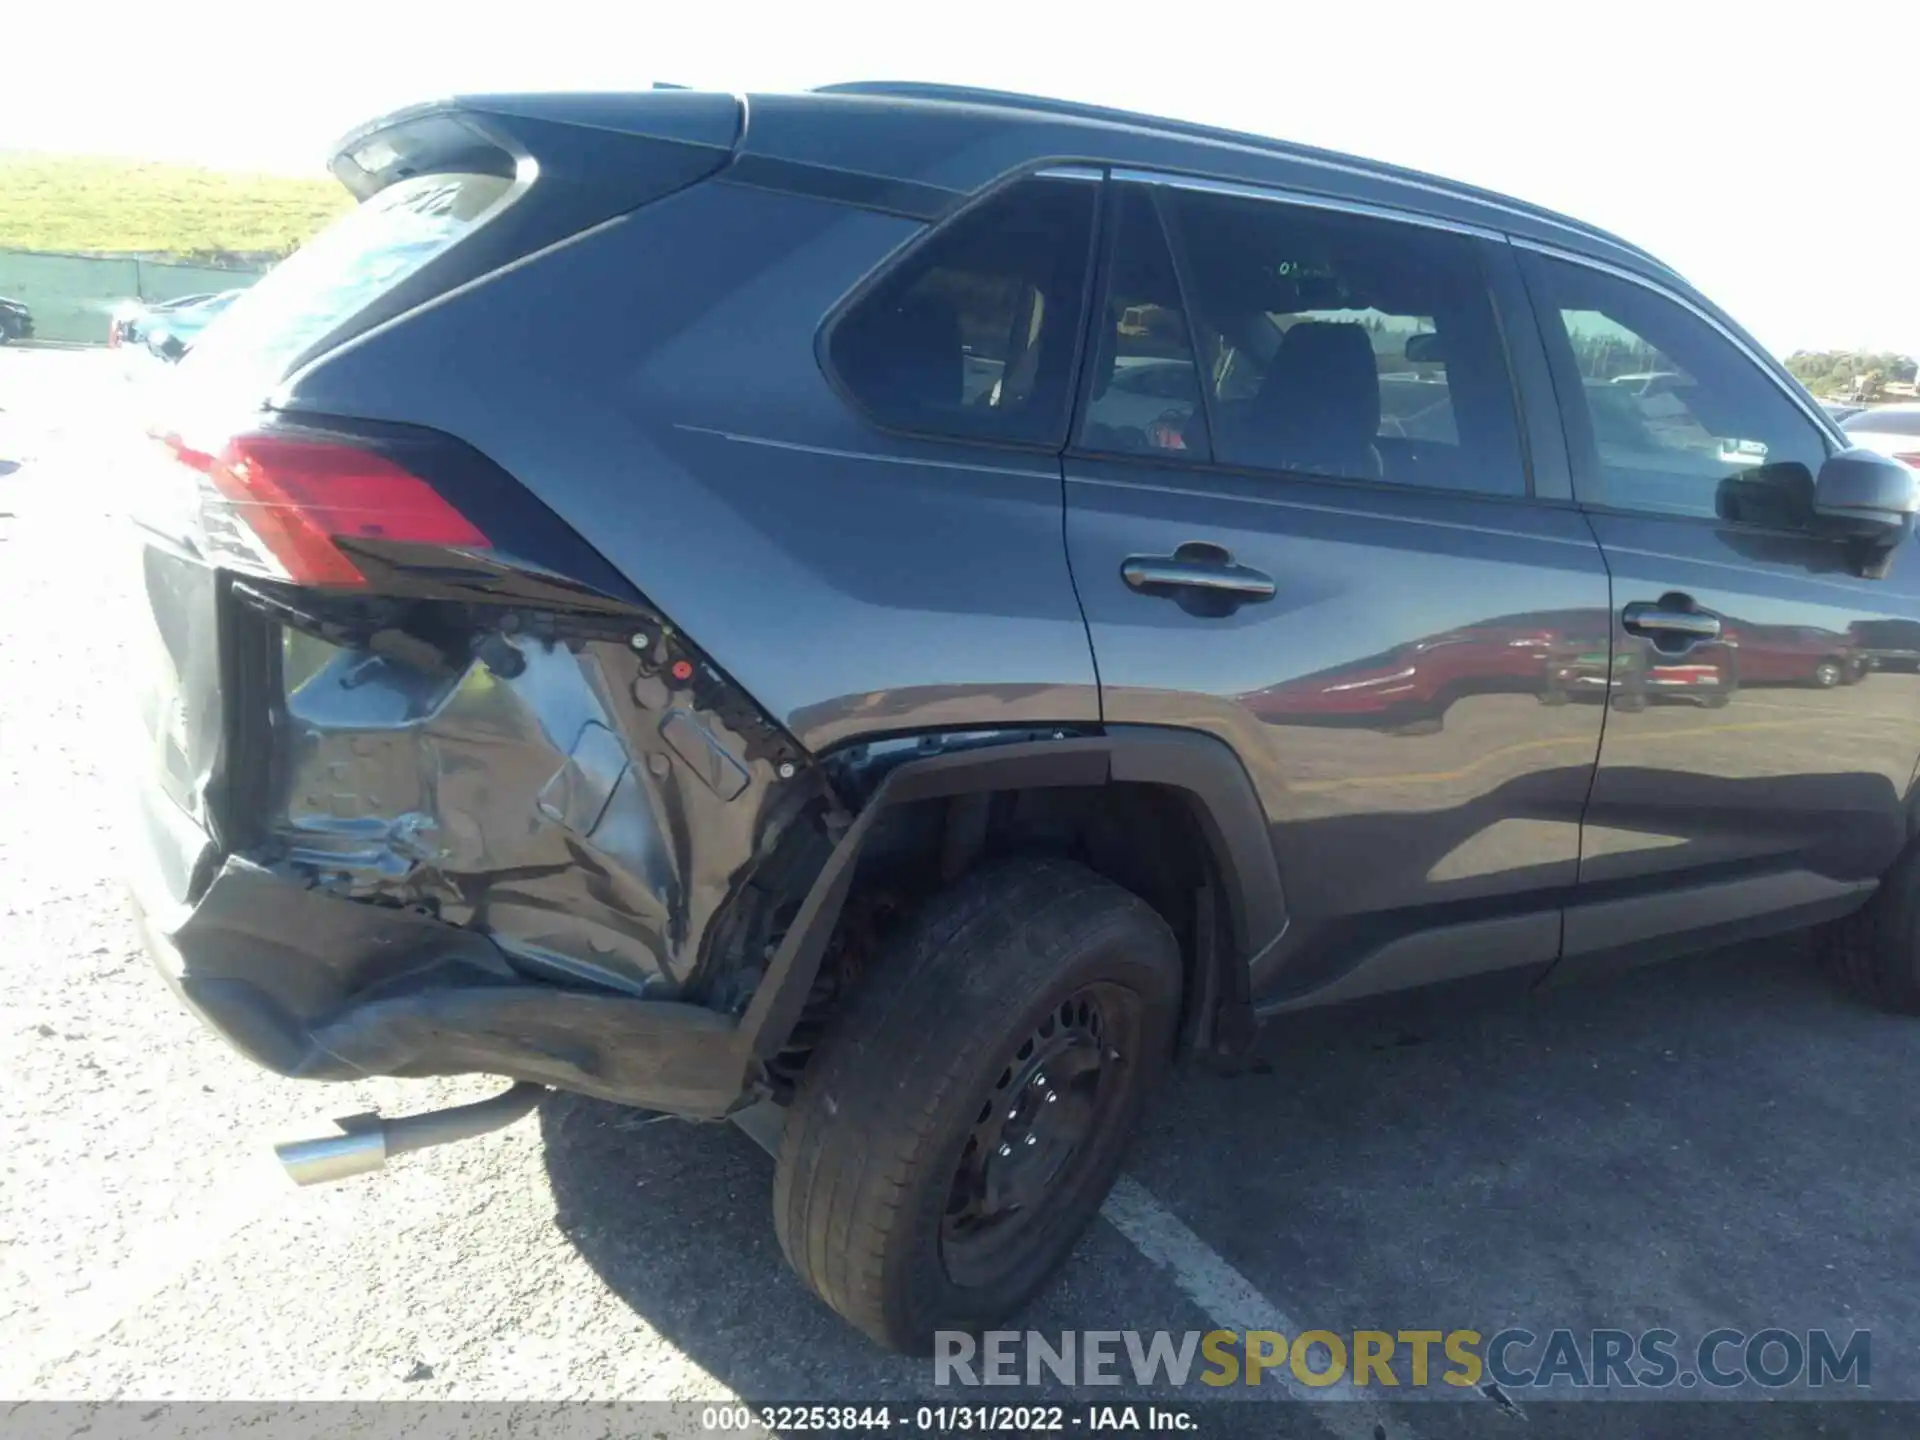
<point x="576" y="160"/>
<point x="602" y="139"/>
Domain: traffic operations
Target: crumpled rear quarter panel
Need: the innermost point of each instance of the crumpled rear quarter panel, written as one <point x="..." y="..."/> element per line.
<point x="547" y="791"/>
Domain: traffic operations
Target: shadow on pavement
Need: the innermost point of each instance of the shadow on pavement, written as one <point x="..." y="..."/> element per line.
<point x="1719" y="1141"/>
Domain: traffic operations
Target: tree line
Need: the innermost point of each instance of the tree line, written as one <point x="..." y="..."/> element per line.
<point x="1852" y="374"/>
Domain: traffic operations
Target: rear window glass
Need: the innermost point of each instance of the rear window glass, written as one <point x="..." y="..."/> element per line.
<point x="360" y="256"/>
<point x="973" y="334"/>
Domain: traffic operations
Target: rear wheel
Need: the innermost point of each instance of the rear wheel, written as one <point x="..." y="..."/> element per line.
<point x="1826" y="674"/>
<point x="961" y="1123"/>
<point x="1876" y="952"/>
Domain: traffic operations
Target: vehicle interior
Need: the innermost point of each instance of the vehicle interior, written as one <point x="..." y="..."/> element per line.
<point x="1356" y="367"/>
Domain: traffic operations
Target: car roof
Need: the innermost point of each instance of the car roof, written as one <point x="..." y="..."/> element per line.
<point x="834" y="124"/>
<point x="921" y="150"/>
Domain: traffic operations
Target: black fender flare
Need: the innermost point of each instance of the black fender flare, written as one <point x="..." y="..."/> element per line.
<point x="1201" y="767"/>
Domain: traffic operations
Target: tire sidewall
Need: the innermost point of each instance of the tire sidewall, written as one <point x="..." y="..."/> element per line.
<point x="1118" y="954"/>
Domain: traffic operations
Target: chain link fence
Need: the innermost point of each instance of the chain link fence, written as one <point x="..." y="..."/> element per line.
<point x="73" y="297"/>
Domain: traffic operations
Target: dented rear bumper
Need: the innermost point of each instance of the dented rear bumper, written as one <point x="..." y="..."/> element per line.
<point x="530" y="858"/>
<point x="318" y="987"/>
<point x="474" y="814"/>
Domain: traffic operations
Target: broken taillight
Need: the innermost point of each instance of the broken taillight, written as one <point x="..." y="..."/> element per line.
<point x="280" y="507"/>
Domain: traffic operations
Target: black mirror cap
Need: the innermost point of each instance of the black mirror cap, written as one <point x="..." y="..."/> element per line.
<point x="1426" y="348"/>
<point x="1862" y="493"/>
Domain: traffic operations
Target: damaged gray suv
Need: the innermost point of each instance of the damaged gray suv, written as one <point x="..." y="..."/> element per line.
<point x="888" y="614"/>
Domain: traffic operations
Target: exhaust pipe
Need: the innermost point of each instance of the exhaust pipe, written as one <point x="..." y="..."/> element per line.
<point x="367" y="1140"/>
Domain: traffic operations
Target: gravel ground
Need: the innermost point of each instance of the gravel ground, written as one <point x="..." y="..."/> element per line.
<point x="1718" y="1143"/>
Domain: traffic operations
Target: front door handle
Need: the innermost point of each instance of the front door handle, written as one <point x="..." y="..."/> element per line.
<point x="1666" y="619"/>
<point x="1212" y="573"/>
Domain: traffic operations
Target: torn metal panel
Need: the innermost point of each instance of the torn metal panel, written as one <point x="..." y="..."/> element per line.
<point x="581" y="803"/>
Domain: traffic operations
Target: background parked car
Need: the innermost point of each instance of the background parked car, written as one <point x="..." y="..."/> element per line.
<point x="1891" y="429"/>
<point x="129" y="319"/>
<point x="1795" y="655"/>
<point x="169" y="335"/>
<point x="16" y="321"/>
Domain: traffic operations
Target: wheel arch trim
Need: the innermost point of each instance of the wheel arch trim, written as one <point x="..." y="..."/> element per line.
<point x="1201" y="767"/>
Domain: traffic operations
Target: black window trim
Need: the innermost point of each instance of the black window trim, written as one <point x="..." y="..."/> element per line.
<point x="1153" y="181"/>
<point x="1543" y="436"/>
<point x="1092" y="172"/>
<point x="1092" y="342"/>
<point x="1311" y="199"/>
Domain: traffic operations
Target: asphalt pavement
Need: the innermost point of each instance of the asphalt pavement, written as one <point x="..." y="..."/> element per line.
<point x="1721" y="1142"/>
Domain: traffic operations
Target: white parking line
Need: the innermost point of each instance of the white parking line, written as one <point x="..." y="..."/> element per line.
<point x="1231" y="1301"/>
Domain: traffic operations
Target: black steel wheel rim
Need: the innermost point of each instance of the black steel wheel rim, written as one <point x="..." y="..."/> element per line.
<point x="1054" y="1093"/>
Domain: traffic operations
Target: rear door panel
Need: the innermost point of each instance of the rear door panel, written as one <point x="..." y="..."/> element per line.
<point x="1402" y="701"/>
<point x="1391" y="701"/>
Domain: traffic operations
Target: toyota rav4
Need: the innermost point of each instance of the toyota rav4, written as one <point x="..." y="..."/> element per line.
<point x="891" y="613"/>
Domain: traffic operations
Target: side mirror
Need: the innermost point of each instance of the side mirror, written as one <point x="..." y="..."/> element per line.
<point x="1861" y="493"/>
<point x="1868" y="501"/>
<point x="1426" y="348"/>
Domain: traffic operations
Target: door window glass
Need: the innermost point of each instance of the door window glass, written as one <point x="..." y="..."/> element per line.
<point x="1671" y="416"/>
<point x="1145" y="392"/>
<point x="973" y="334"/>
<point x="1345" y="345"/>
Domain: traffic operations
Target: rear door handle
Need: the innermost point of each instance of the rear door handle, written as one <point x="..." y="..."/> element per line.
<point x="1663" y="619"/>
<point x="1218" y="576"/>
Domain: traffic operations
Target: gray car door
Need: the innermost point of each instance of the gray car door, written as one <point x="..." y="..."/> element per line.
<point x="1757" y="762"/>
<point x="1301" y="517"/>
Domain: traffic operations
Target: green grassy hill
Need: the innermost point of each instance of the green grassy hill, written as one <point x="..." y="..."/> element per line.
<point x="73" y="202"/>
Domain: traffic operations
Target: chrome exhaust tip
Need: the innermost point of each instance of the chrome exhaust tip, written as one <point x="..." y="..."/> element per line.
<point x="334" y="1157"/>
<point x="365" y="1141"/>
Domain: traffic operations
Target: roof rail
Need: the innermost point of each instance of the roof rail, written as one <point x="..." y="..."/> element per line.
<point x="1046" y="105"/>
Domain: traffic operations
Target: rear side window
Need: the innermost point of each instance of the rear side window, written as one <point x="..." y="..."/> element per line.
<point x="972" y="335"/>
<point x="363" y="254"/>
<point x="1347" y="346"/>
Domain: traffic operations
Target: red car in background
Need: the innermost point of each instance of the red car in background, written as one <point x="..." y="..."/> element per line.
<point x="1794" y="655"/>
<point x="1415" y="684"/>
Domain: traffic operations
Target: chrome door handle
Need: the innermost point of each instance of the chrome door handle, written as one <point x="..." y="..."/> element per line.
<point x="1174" y="572"/>
<point x="1646" y="617"/>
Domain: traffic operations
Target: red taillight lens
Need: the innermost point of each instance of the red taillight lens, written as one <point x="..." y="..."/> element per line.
<point x="1911" y="459"/>
<point x="279" y="505"/>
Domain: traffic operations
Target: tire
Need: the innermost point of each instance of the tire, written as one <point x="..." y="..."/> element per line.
<point x="889" y="1163"/>
<point x="1876" y="952"/>
<point x="1826" y="674"/>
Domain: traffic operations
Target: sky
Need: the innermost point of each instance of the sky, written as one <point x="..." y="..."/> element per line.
<point x="1769" y="152"/>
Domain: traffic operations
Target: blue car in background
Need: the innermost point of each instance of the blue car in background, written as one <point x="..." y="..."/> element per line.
<point x="169" y="333"/>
